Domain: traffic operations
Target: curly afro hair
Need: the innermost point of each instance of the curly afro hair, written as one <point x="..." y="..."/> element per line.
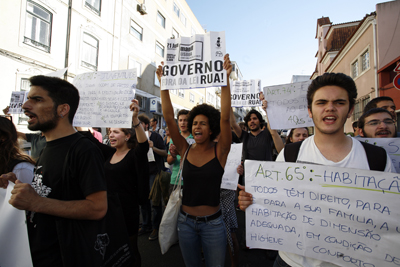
<point x="211" y="113"/>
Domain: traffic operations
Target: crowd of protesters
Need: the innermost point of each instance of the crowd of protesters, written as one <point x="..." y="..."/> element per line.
<point x="201" y="137"/>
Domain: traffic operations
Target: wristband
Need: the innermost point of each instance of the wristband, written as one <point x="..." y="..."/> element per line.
<point x="134" y="126"/>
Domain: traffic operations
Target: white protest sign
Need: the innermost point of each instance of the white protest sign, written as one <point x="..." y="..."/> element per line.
<point x="14" y="245"/>
<point x="230" y="178"/>
<point x="18" y="98"/>
<point x="391" y="145"/>
<point x="150" y="153"/>
<point x="194" y="62"/>
<point x="287" y="105"/>
<point x="105" y="97"/>
<point x="350" y="217"/>
<point x="246" y="93"/>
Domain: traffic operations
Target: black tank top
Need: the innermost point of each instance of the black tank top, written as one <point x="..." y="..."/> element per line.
<point x="202" y="184"/>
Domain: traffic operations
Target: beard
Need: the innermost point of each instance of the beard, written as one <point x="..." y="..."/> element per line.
<point x="255" y="129"/>
<point x="45" y="126"/>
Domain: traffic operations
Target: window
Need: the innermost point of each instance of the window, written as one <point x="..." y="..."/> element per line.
<point x="354" y="69"/>
<point x="38" y="27"/>
<point x="201" y="100"/>
<point x="94" y="5"/>
<point x="136" y="30"/>
<point x="160" y="19"/>
<point x="359" y="107"/>
<point x="141" y="100"/>
<point x="191" y="97"/>
<point x="175" y="34"/>
<point x="181" y="93"/>
<point x="156" y="81"/>
<point x="174" y="91"/>
<point x="365" y="61"/>
<point x="90" y="51"/>
<point x="177" y="11"/>
<point x="133" y="64"/>
<point x="159" y="49"/>
<point x="183" y="19"/>
<point x="193" y="31"/>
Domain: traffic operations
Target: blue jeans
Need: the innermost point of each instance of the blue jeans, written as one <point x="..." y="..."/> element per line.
<point x="209" y="235"/>
<point x="146" y="210"/>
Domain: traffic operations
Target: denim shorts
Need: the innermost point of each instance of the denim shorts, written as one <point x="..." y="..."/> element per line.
<point x="195" y="235"/>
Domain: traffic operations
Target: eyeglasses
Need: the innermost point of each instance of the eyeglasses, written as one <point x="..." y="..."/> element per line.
<point x="388" y="122"/>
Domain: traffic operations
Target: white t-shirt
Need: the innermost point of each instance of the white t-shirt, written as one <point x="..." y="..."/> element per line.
<point x="24" y="172"/>
<point x="309" y="153"/>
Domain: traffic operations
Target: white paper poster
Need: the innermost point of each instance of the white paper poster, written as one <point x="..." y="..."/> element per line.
<point x="230" y="178"/>
<point x="18" y="98"/>
<point x="349" y="217"/>
<point x="194" y="62"/>
<point x="14" y="243"/>
<point x="246" y="93"/>
<point x="105" y="97"/>
<point x="391" y="145"/>
<point x="287" y="105"/>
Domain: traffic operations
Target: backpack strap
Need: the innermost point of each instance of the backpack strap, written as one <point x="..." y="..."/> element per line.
<point x="376" y="156"/>
<point x="291" y="151"/>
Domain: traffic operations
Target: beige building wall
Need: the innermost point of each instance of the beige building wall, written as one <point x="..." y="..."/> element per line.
<point x="361" y="42"/>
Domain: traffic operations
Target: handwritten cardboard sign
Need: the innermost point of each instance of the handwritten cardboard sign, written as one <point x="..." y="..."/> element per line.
<point x="105" y="97"/>
<point x="18" y="98"/>
<point x="230" y="178"/>
<point x="287" y="105"/>
<point x="349" y="217"/>
<point x="194" y="62"/>
<point x="14" y="245"/>
<point x="246" y="93"/>
<point x="391" y="145"/>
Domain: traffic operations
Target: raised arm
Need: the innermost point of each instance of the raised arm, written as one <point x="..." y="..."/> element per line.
<point x="140" y="134"/>
<point x="168" y="113"/>
<point x="275" y="136"/>
<point x="235" y="126"/>
<point x="225" y="140"/>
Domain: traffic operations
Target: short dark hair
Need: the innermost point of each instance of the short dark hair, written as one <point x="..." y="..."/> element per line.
<point x="336" y="79"/>
<point x="143" y="118"/>
<point x="211" y="113"/>
<point x="182" y="112"/>
<point x="361" y="120"/>
<point x="355" y="124"/>
<point x="60" y="91"/>
<point x="374" y="102"/>
<point x="258" y="114"/>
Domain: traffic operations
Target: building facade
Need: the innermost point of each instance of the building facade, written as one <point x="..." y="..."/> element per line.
<point x="44" y="36"/>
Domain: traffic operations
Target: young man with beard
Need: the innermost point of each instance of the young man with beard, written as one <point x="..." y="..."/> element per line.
<point x="51" y="107"/>
<point x="173" y="157"/>
<point x="331" y="99"/>
<point x="377" y="123"/>
<point x="384" y="102"/>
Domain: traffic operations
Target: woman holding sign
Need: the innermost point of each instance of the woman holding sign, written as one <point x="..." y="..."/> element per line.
<point x="126" y="171"/>
<point x="200" y="224"/>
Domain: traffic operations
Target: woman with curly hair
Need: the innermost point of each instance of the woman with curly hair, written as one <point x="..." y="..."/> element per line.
<point x="11" y="157"/>
<point x="200" y="224"/>
<point x="296" y="135"/>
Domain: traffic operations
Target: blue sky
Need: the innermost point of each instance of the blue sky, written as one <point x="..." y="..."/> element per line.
<point x="272" y="40"/>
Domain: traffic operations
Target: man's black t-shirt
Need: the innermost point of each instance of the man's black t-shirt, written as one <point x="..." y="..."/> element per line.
<point x="257" y="147"/>
<point x="87" y="164"/>
<point x="158" y="142"/>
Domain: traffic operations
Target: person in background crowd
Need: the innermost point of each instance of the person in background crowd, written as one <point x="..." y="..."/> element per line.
<point x="97" y="133"/>
<point x="200" y="224"/>
<point x="152" y="223"/>
<point x="355" y="128"/>
<point x="243" y="126"/>
<point x="127" y="172"/>
<point x="37" y="140"/>
<point x="330" y="99"/>
<point x="377" y="123"/>
<point x="384" y="102"/>
<point x="174" y="158"/>
<point x="51" y="106"/>
<point x="11" y="157"/>
<point x="167" y="138"/>
<point x="296" y="135"/>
